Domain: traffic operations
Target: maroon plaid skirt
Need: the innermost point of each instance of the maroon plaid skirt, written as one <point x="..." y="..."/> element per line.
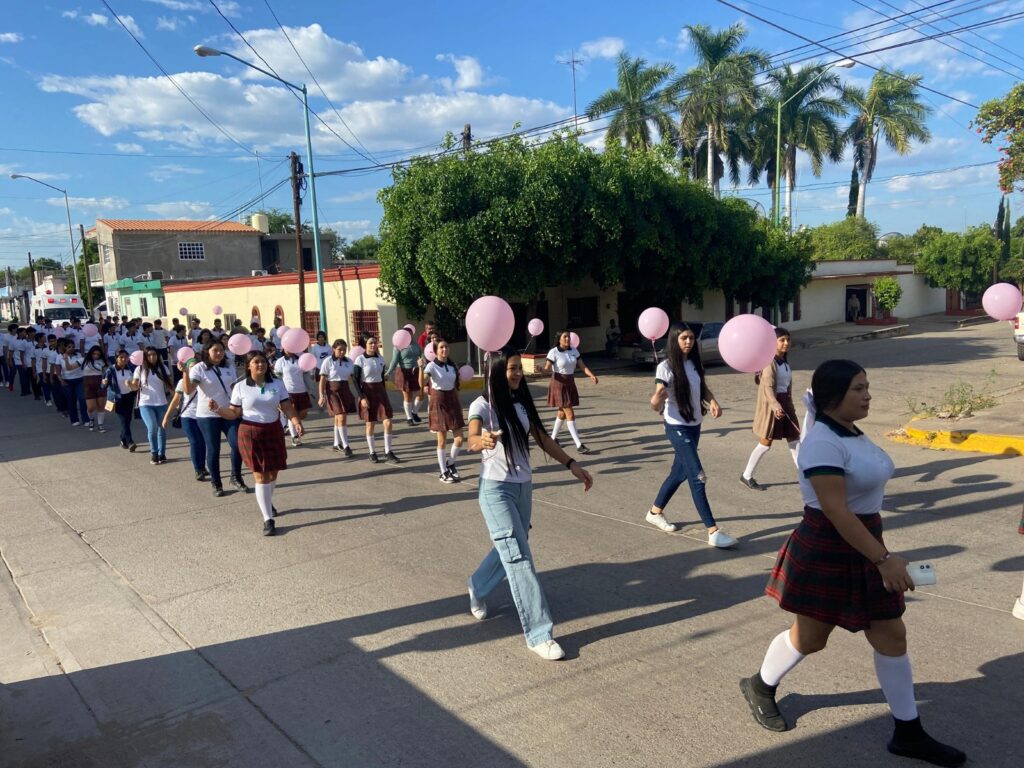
<point x="378" y="406"/>
<point x="787" y="427"/>
<point x="562" y="392"/>
<point x="300" y="400"/>
<point x="92" y="387"/>
<point x="445" y="413"/>
<point x="407" y="379"/>
<point x="262" y="446"/>
<point x="339" y="398"/>
<point x="818" y="575"/>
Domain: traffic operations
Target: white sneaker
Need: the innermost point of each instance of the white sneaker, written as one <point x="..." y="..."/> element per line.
<point x="1018" y="609"/>
<point x="549" y="650"/>
<point x="659" y="521"/>
<point x="477" y="607"/>
<point x="721" y="539"/>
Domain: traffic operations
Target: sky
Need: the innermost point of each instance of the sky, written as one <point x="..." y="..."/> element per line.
<point x="90" y="112"/>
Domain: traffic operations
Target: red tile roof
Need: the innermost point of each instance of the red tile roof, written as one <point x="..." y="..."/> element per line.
<point x="174" y="225"/>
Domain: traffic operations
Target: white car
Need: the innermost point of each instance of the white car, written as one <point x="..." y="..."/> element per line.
<point x="1018" y="334"/>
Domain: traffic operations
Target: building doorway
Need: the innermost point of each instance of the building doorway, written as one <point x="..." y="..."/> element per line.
<point x="856" y="307"/>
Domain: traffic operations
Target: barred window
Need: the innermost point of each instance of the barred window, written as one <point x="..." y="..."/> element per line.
<point x="191" y="252"/>
<point x="583" y="312"/>
<point x="365" y="322"/>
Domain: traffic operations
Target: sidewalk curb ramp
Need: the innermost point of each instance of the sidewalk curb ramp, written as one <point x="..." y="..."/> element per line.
<point x="881" y="333"/>
<point x="959" y="440"/>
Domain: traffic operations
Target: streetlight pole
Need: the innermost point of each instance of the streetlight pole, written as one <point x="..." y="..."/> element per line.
<point x="204" y="51"/>
<point x="844" y="64"/>
<point x="71" y="233"/>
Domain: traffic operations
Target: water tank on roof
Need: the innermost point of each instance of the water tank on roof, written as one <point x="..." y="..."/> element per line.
<point x="261" y="222"/>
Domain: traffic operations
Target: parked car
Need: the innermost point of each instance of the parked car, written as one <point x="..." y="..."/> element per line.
<point x="707" y="337"/>
<point x="1018" y="334"/>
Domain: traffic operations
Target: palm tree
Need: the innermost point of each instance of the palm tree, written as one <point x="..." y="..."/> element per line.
<point x="889" y="110"/>
<point x="637" y="104"/>
<point x="718" y="91"/>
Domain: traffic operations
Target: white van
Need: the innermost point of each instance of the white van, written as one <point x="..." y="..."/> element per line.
<point x="58" y="307"/>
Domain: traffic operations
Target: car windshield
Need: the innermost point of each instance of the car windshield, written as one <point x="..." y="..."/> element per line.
<point x="65" y="313"/>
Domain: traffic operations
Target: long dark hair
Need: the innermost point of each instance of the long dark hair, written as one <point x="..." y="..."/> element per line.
<point x="270" y="369"/>
<point x="503" y="401"/>
<point x="206" y="354"/>
<point x="831" y="381"/>
<point x="92" y="360"/>
<point x="160" y="369"/>
<point x="680" y="382"/>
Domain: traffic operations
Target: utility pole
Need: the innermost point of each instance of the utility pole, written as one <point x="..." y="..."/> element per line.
<point x="467" y="139"/>
<point x="297" y="200"/>
<point x="573" y="62"/>
<point x="32" y="271"/>
<point x="87" y="296"/>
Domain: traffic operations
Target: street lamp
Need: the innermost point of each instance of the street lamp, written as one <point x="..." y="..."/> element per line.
<point x="204" y="51"/>
<point x="844" y="64"/>
<point x="71" y="234"/>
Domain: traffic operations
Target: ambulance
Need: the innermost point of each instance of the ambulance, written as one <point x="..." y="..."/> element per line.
<point x="58" y="307"/>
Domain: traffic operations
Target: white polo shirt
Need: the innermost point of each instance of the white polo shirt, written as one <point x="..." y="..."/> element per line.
<point x="372" y="368"/>
<point x="151" y="388"/>
<point x="290" y="373"/>
<point x="214" y="384"/>
<point x="442" y="377"/>
<point x="337" y="370"/>
<point x="259" y="404"/>
<point x="564" y="361"/>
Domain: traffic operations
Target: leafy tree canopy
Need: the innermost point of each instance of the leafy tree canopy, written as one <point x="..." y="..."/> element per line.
<point x="846" y="239"/>
<point x="363" y="249"/>
<point x="960" y="262"/>
<point x="1002" y="121"/>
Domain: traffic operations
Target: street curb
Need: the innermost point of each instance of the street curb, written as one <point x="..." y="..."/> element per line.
<point x="959" y="440"/>
<point x="976" y="320"/>
<point x="882" y="333"/>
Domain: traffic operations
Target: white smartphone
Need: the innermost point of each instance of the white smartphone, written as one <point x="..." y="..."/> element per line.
<point x="922" y="573"/>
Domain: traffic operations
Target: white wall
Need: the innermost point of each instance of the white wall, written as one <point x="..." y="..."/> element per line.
<point x="918" y="299"/>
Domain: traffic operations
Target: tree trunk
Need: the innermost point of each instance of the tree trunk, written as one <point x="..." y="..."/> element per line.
<point x="711" y="158"/>
<point x="862" y="190"/>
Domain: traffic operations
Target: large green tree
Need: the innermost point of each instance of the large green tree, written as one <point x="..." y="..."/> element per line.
<point x="846" y="239"/>
<point x="960" y="262"/>
<point x="637" y="104"/>
<point x="890" y="110"/>
<point x="1002" y="120"/>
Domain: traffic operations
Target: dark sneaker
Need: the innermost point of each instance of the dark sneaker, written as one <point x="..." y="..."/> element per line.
<point x="910" y="740"/>
<point x="446" y="477"/>
<point x="199" y="477"/>
<point x="416" y="417"/>
<point x="761" y="699"/>
<point x="411" y="422"/>
<point x="348" y="452"/>
<point x="454" y="472"/>
<point x="132" y="447"/>
<point x="374" y="459"/>
<point x="392" y="458"/>
<point x="752" y="484"/>
<point x="336" y="449"/>
<point x="236" y="482"/>
<point x="583" y="449"/>
<point x="124" y="445"/>
<point x="154" y="459"/>
<point x="268" y="528"/>
<point x="218" y="491"/>
<point x="162" y="459"/>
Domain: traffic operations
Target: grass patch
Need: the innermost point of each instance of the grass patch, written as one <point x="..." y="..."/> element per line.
<point x="960" y="401"/>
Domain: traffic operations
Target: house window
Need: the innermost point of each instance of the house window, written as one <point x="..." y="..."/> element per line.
<point x="797" y="314"/>
<point x="311" y="323"/>
<point x="365" y="323"/>
<point x="279" y="314"/>
<point x="584" y="312"/>
<point x="191" y="252"/>
<point x="161" y="306"/>
<point x="256" y="315"/>
<point x="785" y="312"/>
<point x="229" y="322"/>
<point x="144" y="307"/>
<point x="108" y="253"/>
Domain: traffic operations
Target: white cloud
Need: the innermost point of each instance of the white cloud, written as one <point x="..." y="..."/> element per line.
<point x="100" y="20"/>
<point x="96" y="20"/>
<point x="469" y="73"/>
<point x="98" y="204"/>
<point x="603" y="48"/>
<point x="182" y="209"/>
<point x="352" y="229"/>
<point x="228" y="7"/>
<point x="168" y="24"/>
<point x="129" y="148"/>
<point x="355" y="197"/>
<point x="949" y="180"/>
<point x="11" y="37"/>
<point x="172" y="171"/>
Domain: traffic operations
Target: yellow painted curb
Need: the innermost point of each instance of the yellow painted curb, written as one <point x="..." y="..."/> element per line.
<point x="959" y="440"/>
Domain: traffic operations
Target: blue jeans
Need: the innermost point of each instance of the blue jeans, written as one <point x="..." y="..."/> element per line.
<point x="686" y="468"/>
<point x="196" y="444"/>
<point x="212" y="429"/>
<point x="507" y="509"/>
<point x="74" y="392"/>
<point x="152" y="415"/>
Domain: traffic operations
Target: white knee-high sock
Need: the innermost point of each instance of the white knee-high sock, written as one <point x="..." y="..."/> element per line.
<point x="343" y="434"/>
<point x="455" y="452"/>
<point x="557" y="429"/>
<point x="99" y="417"/>
<point x="292" y="431"/>
<point x="755" y="458"/>
<point x="407" y="407"/>
<point x="571" y="426"/>
<point x="387" y="442"/>
<point x="416" y="404"/>
<point x="264" y="494"/>
<point x="794" y="451"/>
<point x="371" y="442"/>
<point x="897" y="681"/>
<point x="337" y="437"/>
<point x="441" y="460"/>
<point x="781" y="657"/>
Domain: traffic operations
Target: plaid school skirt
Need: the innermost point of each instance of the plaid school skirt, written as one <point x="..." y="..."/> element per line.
<point x="339" y="398"/>
<point x="300" y="400"/>
<point x="818" y="575"/>
<point x="407" y="380"/>
<point x="562" y="392"/>
<point x="262" y="446"/>
<point x="785" y="428"/>
<point x="378" y="406"/>
<point x="445" y="413"/>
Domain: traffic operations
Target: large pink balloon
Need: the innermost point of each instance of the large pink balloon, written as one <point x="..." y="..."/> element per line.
<point x="282" y="331"/>
<point x="490" y="323"/>
<point x="90" y="330"/>
<point x="307" y="361"/>
<point x="410" y="328"/>
<point x="183" y="312"/>
<point x="466" y="372"/>
<point x="239" y="344"/>
<point x="185" y="354"/>
<point x="401" y="339"/>
<point x="747" y="343"/>
<point x="356" y="352"/>
<point x="429" y="353"/>
<point x="1002" y="301"/>
<point x="653" y="323"/>
<point x="217" y="309"/>
<point x="295" y="341"/>
<point x="535" y="326"/>
<point x="574" y="340"/>
<point x="136" y="357"/>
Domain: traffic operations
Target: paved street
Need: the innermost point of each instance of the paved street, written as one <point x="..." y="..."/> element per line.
<point x="145" y="623"/>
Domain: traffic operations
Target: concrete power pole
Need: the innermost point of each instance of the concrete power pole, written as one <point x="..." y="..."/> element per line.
<point x="87" y="296"/>
<point x="296" y="201"/>
<point x="467" y="139"/>
<point x="32" y="271"/>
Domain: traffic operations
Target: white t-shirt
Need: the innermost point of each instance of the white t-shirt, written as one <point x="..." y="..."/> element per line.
<point x="122" y="376"/>
<point x="53" y="360"/>
<point x="214" y="384"/>
<point x="112" y="342"/>
<point x="831" y="449"/>
<point x="783" y="378"/>
<point x="24" y="353"/>
<point x="94" y="368"/>
<point x="665" y="376"/>
<point x="292" y="376"/>
<point x="564" y="362"/>
<point x="195" y="333"/>
<point x="337" y="370"/>
<point x="151" y="388"/>
<point x="174" y="343"/>
<point x="372" y="368"/>
<point x="41" y="359"/>
<point x="189" y="403"/>
<point x="321" y="351"/>
<point x="493" y="464"/>
<point x="442" y="377"/>
<point x="73" y="373"/>
<point x="134" y="341"/>
<point x="259" y="404"/>
<point x="159" y="338"/>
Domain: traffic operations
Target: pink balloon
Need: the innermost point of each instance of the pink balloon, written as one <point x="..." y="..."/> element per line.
<point x="356" y="352"/>
<point x="136" y="357"/>
<point x="217" y="309"/>
<point x="183" y="312"/>
<point x="307" y="361"/>
<point x="466" y="373"/>
<point x="401" y="339"/>
<point x="239" y="344"/>
<point x="490" y="323"/>
<point x="58" y="331"/>
<point x="90" y="330"/>
<point x="429" y="353"/>
<point x="535" y="327"/>
<point x="653" y="323"/>
<point x="574" y="340"/>
<point x="1002" y="301"/>
<point x="282" y="331"/>
<point x="747" y="343"/>
<point x="185" y="354"/>
<point x="295" y="341"/>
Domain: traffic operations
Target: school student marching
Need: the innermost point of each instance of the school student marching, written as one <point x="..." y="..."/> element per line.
<point x="71" y="374"/>
<point x="444" y="414"/>
<point x="40" y="369"/>
<point x="336" y="393"/>
<point x="258" y="400"/>
<point x="500" y="428"/>
<point x="405" y="366"/>
<point x="53" y="364"/>
<point x="112" y="342"/>
<point x="562" y="362"/>
<point x="118" y="380"/>
<point x="94" y="369"/>
<point x="682" y="396"/>
<point x="374" y="405"/>
<point x="152" y="380"/>
<point x="184" y="407"/>
<point x="291" y="375"/>
<point x="774" y="416"/>
<point x="836" y="570"/>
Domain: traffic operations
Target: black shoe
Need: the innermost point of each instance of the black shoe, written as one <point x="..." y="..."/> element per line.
<point x="132" y="447"/>
<point x="236" y="482"/>
<point x="199" y="477"/>
<point x="348" y="452"/>
<point x="218" y="491"/>
<point x="410" y="422"/>
<point x="162" y="459"/>
<point x="336" y="449"/>
<point x="910" y="740"/>
<point x="761" y="699"/>
<point x="752" y="484"/>
<point x="154" y="459"/>
<point x="446" y="477"/>
<point x="124" y="445"/>
<point x="273" y="511"/>
<point x="453" y="471"/>
<point x="416" y="417"/>
<point x="374" y="459"/>
<point x="583" y="449"/>
<point x="391" y="458"/>
<point x="203" y="475"/>
<point x="268" y="528"/>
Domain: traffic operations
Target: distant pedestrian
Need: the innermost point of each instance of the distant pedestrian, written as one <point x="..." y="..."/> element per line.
<point x="294" y="380"/>
<point x="153" y="382"/>
<point x="119" y="391"/>
<point x="374" y="405"/>
<point x="186" y="406"/>
<point x="562" y="362"/>
<point x="94" y="369"/>
<point x="336" y="393"/>
<point x="445" y="410"/>
<point x="611" y="339"/>
<point x="71" y="373"/>
<point x="853" y="308"/>
<point x="405" y="366"/>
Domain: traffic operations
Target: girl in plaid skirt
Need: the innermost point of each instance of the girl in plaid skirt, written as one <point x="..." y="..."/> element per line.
<point x="445" y="414"/>
<point x="562" y="362"/>
<point x="835" y="569"/>
<point x="336" y="393"/>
